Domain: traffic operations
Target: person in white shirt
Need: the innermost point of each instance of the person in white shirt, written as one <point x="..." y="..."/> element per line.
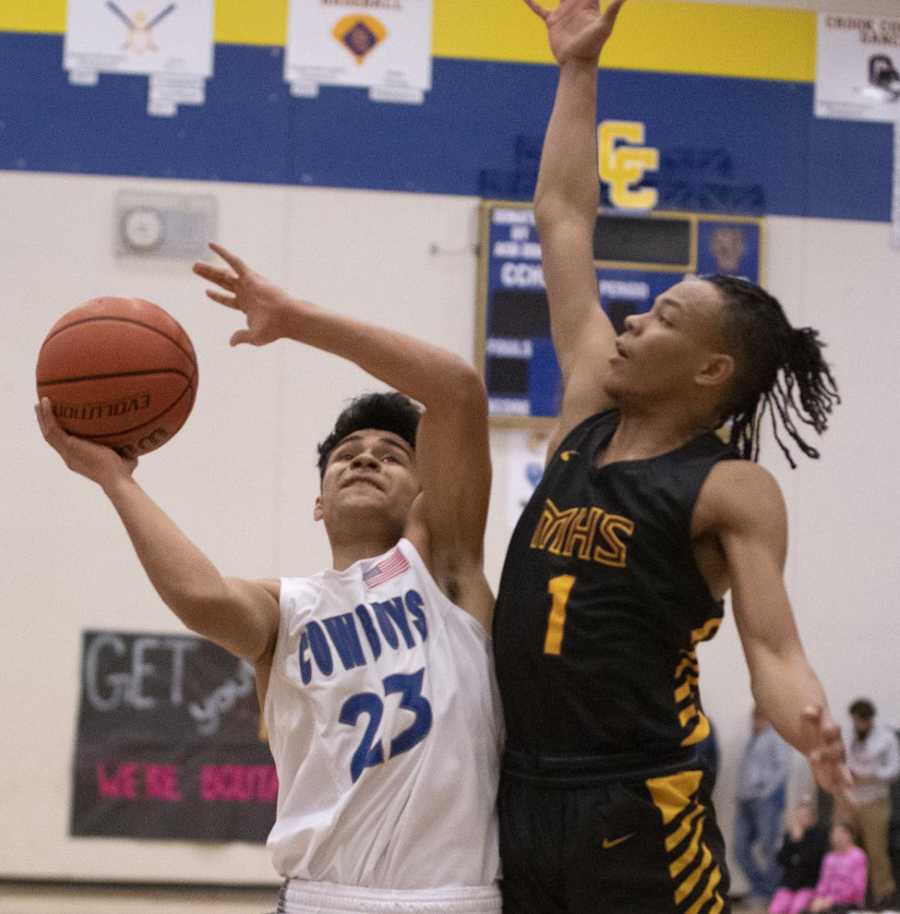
<point x="375" y="676"/>
<point x="873" y="757"/>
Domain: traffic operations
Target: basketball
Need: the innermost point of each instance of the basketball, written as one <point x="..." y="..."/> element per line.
<point x="120" y="372"/>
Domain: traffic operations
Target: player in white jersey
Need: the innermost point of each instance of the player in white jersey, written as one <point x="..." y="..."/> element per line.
<point x="375" y="675"/>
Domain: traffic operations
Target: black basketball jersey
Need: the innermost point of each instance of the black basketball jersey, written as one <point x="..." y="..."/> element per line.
<point x="601" y="603"/>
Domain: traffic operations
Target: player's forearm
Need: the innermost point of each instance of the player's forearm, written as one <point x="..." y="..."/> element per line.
<point x="568" y="183"/>
<point x="784" y="685"/>
<point x="429" y="374"/>
<point x="566" y="211"/>
<point x="185" y="579"/>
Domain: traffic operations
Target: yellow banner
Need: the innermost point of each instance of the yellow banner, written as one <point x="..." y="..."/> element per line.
<point x="655" y="35"/>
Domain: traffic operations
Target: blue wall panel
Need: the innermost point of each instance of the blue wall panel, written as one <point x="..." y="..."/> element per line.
<point x="732" y="145"/>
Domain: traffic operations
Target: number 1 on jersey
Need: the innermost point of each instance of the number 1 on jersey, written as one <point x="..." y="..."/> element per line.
<point x="559" y="589"/>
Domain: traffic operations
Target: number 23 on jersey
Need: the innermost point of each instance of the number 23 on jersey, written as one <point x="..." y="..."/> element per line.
<point x="370" y="751"/>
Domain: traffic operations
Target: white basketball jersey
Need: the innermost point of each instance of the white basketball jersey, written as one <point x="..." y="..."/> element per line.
<point x="385" y="726"/>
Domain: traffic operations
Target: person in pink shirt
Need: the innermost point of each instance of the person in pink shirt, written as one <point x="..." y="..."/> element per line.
<point x="802" y="852"/>
<point x="842" y="882"/>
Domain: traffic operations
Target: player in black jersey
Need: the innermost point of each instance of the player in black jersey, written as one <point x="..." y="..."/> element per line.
<point x="618" y="566"/>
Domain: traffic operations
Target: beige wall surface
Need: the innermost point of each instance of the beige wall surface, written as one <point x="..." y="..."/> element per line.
<point x="240" y="480"/>
<point x="239" y="477"/>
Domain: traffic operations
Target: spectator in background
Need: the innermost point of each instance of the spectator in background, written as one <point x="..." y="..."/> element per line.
<point x="802" y="850"/>
<point x="708" y="754"/>
<point x="842" y="883"/>
<point x="874" y="761"/>
<point x="762" y="785"/>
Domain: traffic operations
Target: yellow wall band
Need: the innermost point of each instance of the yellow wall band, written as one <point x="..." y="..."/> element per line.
<point x="259" y="22"/>
<point x="49" y="16"/>
<point x="654" y="35"/>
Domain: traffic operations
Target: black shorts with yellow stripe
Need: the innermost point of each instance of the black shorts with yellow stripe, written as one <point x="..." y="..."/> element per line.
<point x="578" y="837"/>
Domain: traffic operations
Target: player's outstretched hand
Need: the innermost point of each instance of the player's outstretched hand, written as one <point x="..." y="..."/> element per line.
<point x="827" y="757"/>
<point x="576" y="28"/>
<point x="265" y="305"/>
<point x="97" y="462"/>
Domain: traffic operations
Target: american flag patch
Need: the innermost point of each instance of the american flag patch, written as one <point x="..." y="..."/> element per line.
<point x="387" y="569"/>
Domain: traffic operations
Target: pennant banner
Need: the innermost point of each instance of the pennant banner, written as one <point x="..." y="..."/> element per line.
<point x="858" y="67"/>
<point x="172" y="43"/>
<point x="382" y="45"/>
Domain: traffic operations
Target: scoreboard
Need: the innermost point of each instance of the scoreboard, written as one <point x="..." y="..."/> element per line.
<point x="636" y="256"/>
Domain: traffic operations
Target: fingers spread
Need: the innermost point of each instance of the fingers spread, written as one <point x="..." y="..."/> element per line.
<point x="232" y="260"/>
<point x="537" y="8"/>
<point x="228" y="300"/>
<point x="220" y="277"/>
<point x="240" y="336"/>
<point x="613" y="10"/>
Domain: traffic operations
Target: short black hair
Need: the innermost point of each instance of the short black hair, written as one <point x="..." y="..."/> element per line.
<point x="863" y="708"/>
<point x="779" y="369"/>
<point x="389" y="412"/>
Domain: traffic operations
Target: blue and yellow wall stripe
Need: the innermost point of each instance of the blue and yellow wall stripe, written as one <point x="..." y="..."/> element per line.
<point x="739" y="41"/>
<point x="725" y="93"/>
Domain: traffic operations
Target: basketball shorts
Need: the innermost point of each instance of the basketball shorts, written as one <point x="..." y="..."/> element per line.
<point x="299" y="896"/>
<point x="579" y="838"/>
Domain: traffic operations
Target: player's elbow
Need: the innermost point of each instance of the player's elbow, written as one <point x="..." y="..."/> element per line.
<point x="549" y="212"/>
<point x="462" y="390"/>
<point x="200" y="608"/>
<point x="553" y="209"/>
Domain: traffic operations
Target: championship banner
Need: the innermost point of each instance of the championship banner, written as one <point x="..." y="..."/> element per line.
<point x="172" y="43"/>
<point x="381" y="45"/>
<point x="858" y="67"/>
<point x="858" y="79"/>
<point x="169" y="743"/>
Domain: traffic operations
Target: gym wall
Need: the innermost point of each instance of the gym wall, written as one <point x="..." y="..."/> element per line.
<point x="372" y="209"/>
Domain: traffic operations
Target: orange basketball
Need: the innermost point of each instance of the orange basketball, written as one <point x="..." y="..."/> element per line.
<point x="119" y="371"/>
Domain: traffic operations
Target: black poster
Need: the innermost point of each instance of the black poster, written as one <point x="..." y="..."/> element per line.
<point x="169" y="742"/>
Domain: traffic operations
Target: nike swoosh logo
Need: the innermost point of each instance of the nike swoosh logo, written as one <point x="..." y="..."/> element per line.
<point x="566" y="455"/>
<point x="607" y="844"/>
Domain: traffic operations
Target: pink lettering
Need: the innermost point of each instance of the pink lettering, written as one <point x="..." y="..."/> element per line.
<point x="121" y="783"/>
<point x="161" y="782"/>
<point x="239" y="783"/>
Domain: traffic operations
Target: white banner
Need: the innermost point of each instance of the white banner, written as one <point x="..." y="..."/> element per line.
<point x="139" y="36"/>
<point x="367" y="43"/>
<point x="858" y="67"/>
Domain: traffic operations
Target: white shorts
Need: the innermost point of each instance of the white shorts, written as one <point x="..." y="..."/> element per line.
<point x="298" y="896"/>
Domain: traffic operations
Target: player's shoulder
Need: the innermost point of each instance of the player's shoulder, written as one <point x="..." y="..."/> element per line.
<point x="272" y="586"/>
<point x="739" y="492"/>
<point x="572" y="432"/>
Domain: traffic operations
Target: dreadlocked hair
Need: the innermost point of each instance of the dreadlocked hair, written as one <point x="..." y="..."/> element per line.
<point x="779" y="370"/>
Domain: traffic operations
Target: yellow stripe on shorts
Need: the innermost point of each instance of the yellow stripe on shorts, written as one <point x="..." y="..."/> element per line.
<point x="694" y="871"/>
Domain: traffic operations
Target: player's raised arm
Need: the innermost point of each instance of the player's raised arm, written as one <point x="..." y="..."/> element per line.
<point x="565" y="204"/>
<point x="742" y="504"/>
<point x="241" y="616"/>
<point x="452" y="447"/>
